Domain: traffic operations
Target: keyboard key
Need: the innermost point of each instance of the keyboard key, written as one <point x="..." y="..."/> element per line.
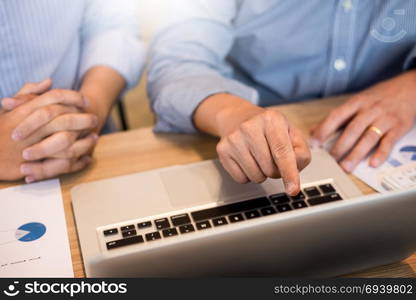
<point x="236" y="218"/>
<point x="128" y="227"/>
<point x="219" y="221"/>
<point x="230" y="209"/>
<point x="268" y="211"/>
<point x="180" y="219"/>
<point x="203" y="225"/>
<point x="186" y="228"/>
<point x="299" y="204"/>
<point x="170" y="232"/>
<point x="144" y="224"/>
<point x="327" y="188"/>
<point x="281" y="198"/>
<point x="324" y="199"/>
<point x="300" y="196"/>
<point x="312" y="191"/>
<point x="110" y="231"/>
<point x="129" y="233"/>
<point x="153" y="236"/>
<point x="283" y="208"/>
<point x="252" y="214"/>
<point x="162" y="223"/>
<point x="125" y="242"/>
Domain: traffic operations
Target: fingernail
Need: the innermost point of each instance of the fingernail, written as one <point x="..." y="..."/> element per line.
<point x="27" y="154"/>
<point x="8" y="103"/>
<point x="16" y="136"/>
<point x="86" y="101"/>
<point x="347" y="166"/>
<point x="44" y="81"/>
<point x="314" y="143"/>
<point x="88" y="160"/>
<point x="290" y="188"/>
<point x="335" y="154"/>
<point x="95" y="120"/>
<point x="375" y="162"/>
<point x="25" y="170"/>
<point x="29" y="179"/>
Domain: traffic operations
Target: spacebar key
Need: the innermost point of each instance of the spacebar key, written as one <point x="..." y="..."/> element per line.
<point x="324" y="199"/>
<point x="125" y="242"/>
<point x="230" y="209"/>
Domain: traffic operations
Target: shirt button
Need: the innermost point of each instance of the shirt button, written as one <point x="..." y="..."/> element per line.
<point x="347" y="4"/>
<point x="340" y="64"/>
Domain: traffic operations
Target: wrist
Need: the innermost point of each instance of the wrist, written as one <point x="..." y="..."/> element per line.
<point x="98" y="106"/>
<point x="223" y="113"/>
<point x="233" y="115"/>
<point x="102" y="86"/>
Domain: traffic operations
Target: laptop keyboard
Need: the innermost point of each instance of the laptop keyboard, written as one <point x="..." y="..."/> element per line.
<point x="220" y="216"/>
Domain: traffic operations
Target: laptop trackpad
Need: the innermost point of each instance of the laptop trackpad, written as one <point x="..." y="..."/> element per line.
<point x="204" y="183"/>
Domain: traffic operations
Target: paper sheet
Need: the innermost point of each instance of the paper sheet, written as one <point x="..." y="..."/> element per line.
<point x="33" y="234"/>
<point x="404" y="152"/>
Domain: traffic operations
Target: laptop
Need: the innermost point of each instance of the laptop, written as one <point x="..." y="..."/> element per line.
<point x="194" y="220"/>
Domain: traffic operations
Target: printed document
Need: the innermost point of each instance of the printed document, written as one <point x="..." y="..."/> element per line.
<point x="33" y="233"/>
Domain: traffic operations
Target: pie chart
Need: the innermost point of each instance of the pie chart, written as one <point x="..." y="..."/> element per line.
<point x="30" y="232"/>
<point x="408" y="152"/>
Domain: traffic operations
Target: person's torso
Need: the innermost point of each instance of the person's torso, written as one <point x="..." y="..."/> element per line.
<point x="39" y="39"/>
<point x="299" y="49"/>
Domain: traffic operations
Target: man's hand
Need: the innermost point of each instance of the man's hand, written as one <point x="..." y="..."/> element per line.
<point x="61" y="110"/>
<point x="374" y="119"/>
<point x="13" y="165"/>
<point x="54" y="129"/>
<point x="26" y="93"/>
<point x="256" y="143"/>
<point x="61" y="133"/>
<point x="58" y="128"/>
<point x="11" y="151"/>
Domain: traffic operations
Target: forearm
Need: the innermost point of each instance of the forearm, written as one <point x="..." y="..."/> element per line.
<point x="222" y="113"/>
<point x="102" y="86"/>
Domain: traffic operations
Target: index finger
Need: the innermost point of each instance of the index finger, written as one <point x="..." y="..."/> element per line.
<point x="335" y="120"/>
<point x="11" y="103"/>
<point x="65" y="97"/>
<point x="284" y="156"/>
<point x="300" y="147"/>
<point x="35" y="88"/>
<point x="38" y="119"/>
<point x="26" y="93"/>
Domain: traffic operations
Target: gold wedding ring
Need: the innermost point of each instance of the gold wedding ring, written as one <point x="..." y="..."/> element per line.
<point x="376" y="130"/>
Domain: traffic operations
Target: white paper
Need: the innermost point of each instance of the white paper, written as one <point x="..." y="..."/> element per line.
<point x="33" y="234"/>
<point x="403" y="153"/>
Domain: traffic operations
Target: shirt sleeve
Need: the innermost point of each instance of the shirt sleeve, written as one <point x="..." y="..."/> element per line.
<point x="410" y="61"/>
<point x="110" y="36"/>
<point x="188" y="62"/>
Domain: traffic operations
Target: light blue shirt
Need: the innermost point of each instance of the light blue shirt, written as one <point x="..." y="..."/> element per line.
<point x="63" y="39"/>
<point x="273" y="52"/>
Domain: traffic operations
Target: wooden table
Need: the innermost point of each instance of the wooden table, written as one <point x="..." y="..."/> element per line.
<point x="140" y="150"/>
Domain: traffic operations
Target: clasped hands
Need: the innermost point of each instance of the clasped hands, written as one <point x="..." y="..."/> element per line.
<point x="45" y="133"/>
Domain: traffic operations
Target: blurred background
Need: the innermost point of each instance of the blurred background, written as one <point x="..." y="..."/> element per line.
<point x="137" y="109"/>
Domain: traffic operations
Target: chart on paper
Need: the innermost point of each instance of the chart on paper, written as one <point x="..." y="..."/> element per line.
<point x="398" y="172"/>
<point x="33" y="235"/>
<point x="30" y="232"/>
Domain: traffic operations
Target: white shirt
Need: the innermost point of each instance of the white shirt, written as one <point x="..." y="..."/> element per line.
<point x="63" y="39"/>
